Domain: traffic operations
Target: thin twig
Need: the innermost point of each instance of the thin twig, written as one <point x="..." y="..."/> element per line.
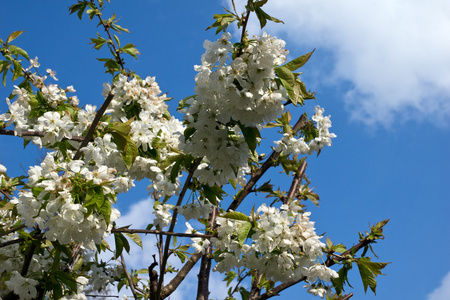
<point x="346" y="297"/>
<point x="12" y="242"/>
<point x="37" y="133"/>
<point x="13" y="230"/>
<point x="179" y="234"/>
<point x="130" y="281"/>
<point x="295" y="182"/>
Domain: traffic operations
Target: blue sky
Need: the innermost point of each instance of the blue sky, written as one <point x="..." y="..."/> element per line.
<point x="381" y="69"/>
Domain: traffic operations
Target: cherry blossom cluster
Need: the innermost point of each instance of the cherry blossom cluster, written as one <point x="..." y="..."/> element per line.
<point x="70" y="201"/>
<point x="153" y="130"/>
<point x="242" y="92"/>
<point x="284" y="245"/>
<point x="290" y="145"/>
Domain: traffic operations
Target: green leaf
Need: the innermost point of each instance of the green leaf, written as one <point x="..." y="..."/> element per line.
<point x="213" y="193"/>
<point x="251" y="135"/>
<point x="188" y="132"/>
<point x="135" y="238"/>
<point x="79" y="8"/>
<point x="105" y="210"/>
<point x="263" y="17"/>
<point x="368" y="271"/>
<point x="98" y="43"/>
<point x="18" y="51"/>
<point x="130" y="49"/>
<point x="13" y="36"/>
<point x="121" y="243"/>
<point x="119" y="28"/>
<point x="236" y="215"/>
<point x="266" y="187"/>
<point x="222" y="22"/>
<point x="243" y="232"/>
<point x="17" y="70"/>
<point x="175" y="171"/>
<point x="130" y="152"/>
<point x="339" y="282"/>
<point x="66" y="279"/>
<point x="229" y="277"/>
<point x="298" y="62"/>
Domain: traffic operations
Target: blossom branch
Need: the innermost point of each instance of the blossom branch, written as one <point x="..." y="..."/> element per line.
<point x="37" y="133"/>
<point x="179" y="234"/>
<point x="260" y="172"/>
<point x="94" y="124"/>
<point x="329" y="262"/>
<point x="116" y="51"/>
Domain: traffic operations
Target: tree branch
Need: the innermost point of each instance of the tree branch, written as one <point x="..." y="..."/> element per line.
<point x="94" y="124"/>
<point x="295" y="182"/>
<point x="205" y="266"/>
<point x="181" y="275"/>
<point x="187" y="183"/>
<point x="179" y="234"/>
<point x="12" y="230"/>
<point x="36" y="133"/>
<point x="130" y="281"/>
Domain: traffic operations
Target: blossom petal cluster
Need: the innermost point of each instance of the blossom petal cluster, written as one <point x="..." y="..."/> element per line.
<point x="229" y="96"/>
<point x="290" y="145"/>
<point x="284" y="245"/>
<point x="70" y="201"/>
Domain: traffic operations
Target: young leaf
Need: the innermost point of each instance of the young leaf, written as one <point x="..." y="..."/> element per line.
<point x="251" y="135"/>
<point x="18" y="51"/>
<point x="299" y="61"/>
<point x="13" y="36"/>
<point x="243" y="232"/>
<point x="135" y="238"/>
<point x="368" y="271"/>
<point x="236" y="215"/>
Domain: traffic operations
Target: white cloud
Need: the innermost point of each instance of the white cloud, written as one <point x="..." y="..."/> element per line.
<point x="443" y="291"/>
<point x="395" y="55"/>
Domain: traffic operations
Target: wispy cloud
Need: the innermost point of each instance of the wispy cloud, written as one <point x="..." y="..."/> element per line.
<point x="443" y="291"/>
<point x="394" y="56"/>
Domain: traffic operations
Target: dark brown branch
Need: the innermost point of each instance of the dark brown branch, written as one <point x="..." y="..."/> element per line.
<point x="153" y="276"/>
<point x="295" y="182"/>
<point x="260" y="172"/>
<point x="255" y="290"/>
<point x="29" y="255"/>
<point x="130" y="281"/>
<point x="181" y="275"/>
<point x="163" y="233"/>
<point x="94" y="124"/>
<point x="205" y="265"/>
<point x="346" y="297"/>
<point x="186" y="185"/>
<point x="13" y="230"/>
<point x="12" y="242"/>
<point x="276" y="290"/>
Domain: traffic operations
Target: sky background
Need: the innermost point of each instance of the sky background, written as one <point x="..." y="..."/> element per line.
<point x="381" y="69"/>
